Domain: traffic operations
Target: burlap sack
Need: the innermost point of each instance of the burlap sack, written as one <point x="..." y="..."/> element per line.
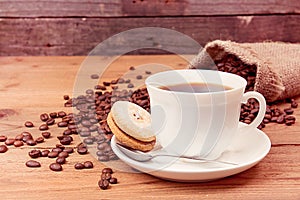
<point x="278" y="65"/>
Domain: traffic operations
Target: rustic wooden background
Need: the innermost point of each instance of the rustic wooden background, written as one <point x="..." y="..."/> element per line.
<point x="75" y="27"/>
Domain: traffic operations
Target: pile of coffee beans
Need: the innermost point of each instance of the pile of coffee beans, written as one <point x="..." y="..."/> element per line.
<point x="106" y="179"/>
<point x="232" y="64"/>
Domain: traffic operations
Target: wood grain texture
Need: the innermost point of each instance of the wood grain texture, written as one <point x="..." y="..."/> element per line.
<point x="32" y="85"/>
<point x="126" y="8"/>
<point x="78" y="36"/>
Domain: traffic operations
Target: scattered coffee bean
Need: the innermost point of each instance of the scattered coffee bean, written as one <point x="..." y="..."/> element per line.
<point x="53" y="115"/>
<point x="131" y="68"/>
<point x="61" y="114"/>
<point x="82" y="150"/>
<point x="3" y="148"/>
<point x="127" y="81"/>
<point x="55" y="167"/>
<point x="45" y="153"/>
<point x="29" y="124"/>
<point x="44" y="117"/>
<point x="148" y="72"/>
<point x="113" y="180"/>
<point x="63" y="154"/>
<point x="62" y="147"/>
<point x="66" y="140"/>
<point x="18" y="143"/>
<point x="103" y="158"/>
<point x="50" y="121"/>
<point x="39" y="140"/>
<point x="103" y="184"/>
<point x="94" y="76"/>
<point x="62" y="124"/>
<point x="31" y="142"/>
<point x="69" y="150"/>
<point x="288" y="111"/>
<point x="88" y="164"/>
<point x="19" y="137"/>
<point x="52" y="154"/>
<point x="3" y="138"/>
<point x="107" y="170"/>
<point x="35" y="153"/>
<point x="66" y="97"/>
<point x="106" y="176"/>
<point x="9" y="141"/>
<point x="139" y="77"/>
<point x="61" y="160"/>
<point x="46" y="135"/>
<point x="100" y="87"/>
<point x="57" y="149"/>
<point x="43" y="127"/>
<point x="33" y="163"/>
<point x="79" y="166"/>
<point x="105" y="83"/>
<point x="27" y="137"/>
<point x="88" y="141"/>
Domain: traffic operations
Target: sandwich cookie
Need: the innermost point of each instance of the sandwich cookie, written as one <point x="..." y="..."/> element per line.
<point x="131" y="125"/>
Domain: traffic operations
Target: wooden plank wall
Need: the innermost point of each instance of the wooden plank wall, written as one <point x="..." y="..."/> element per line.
<point x="75" y="27"/>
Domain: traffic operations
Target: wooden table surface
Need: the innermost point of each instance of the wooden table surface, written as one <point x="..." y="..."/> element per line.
<point x="30" y="86"/>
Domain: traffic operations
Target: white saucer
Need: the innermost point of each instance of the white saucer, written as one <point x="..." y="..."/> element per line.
<point x="248" y="148"/>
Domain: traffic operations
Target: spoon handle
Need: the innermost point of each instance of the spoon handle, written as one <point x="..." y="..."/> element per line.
<point x="195" y="158"/>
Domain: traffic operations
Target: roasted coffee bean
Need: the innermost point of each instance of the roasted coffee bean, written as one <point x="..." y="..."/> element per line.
<point x="57" y="149"/>
<point x="61" y="114"/>
<point x="121" y="80"/>
<point x="26" y="137"/>
<point x="132" y="68"/>
<point x="33" y="163"/>
<point x="63" y="154"/>
<point x="100" y="153"/>
<point x="88" y="164"/>
<point x="294" y="104"/>
<point x="9" y="141"/>
<point x="289" y="118"/>
<point x="62" y="147"/>
<point x="52" y="154"/>
<point x="148" y="72"/>
<point x="50" y="121"/>
<point x="130" y="85"/>
<point x="18" y="143"/>
<point x="113" y="180"/>
<point x="86" y="123"/>
<point x="44" y="117"/>
<point x="88" y="141"/>
<point x="61" y="160"/>
<point x="3" y="138"/>
<point x="19" y="137"/>
<point x="85" y="133"/>
<point x="62" y="124"/>
<point x="53" y="115"/>
<point x="103" y="184"/>
<point x="45" y="153"/>
<point x="105" y="83"/>
<point x="139" y="77"/>
<point x="103" y="158"/>
<point x="288" y="111"/>
<point x="113" y="82"/>
<point x="107" y="170"/>
<point x="69" y="150"/>
<point x="3" y="148"/>
<point x="55" y="167"/>
<point x="289" y="122"/>
<point x="67" y="132"/>
<point x="106" y="176"/>
<point x="35" y="153"/>
<point x="102" y="146"/>
<point x="29" y="124"/>
<point x="82" y="150"/>
<point x="66" y="140"/>
<point x="31" y="142"/>
<point x="66" y="97"/>
<point x="39" y="140"/>
<point x="43" y="127"/>
<point x="79" y="166"/>
<point x="46" y="135"/>
<point x="280" y="119"/>
<point x="94" y="76"/>
<point x="72" y="126"/>
<point x="99" y="87"/>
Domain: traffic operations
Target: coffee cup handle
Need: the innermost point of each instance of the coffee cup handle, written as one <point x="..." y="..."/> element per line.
<point x="262" y="107"/>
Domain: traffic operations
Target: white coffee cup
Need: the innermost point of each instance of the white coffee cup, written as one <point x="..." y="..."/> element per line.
<point x="198" y="124"/>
